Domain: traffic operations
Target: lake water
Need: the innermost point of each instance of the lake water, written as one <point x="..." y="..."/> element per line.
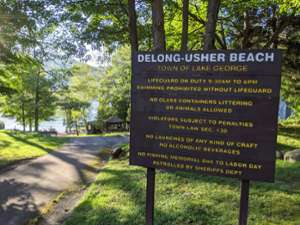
<point x="56" y="123"/>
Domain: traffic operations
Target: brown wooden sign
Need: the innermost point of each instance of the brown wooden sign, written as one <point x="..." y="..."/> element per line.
<point x="212" y="112"/>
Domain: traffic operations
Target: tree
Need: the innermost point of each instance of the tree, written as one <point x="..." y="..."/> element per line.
<point x="25" y="46"/>
<point x="47" y="29"/>
<point x="267" y="24"/>
<point x="33" y="100"/>
<point x="290" y="87"/>
<point x="78" y="87"/>
<point x="158" y="29"/>
<point x="132" y="26"/>
<point x="2" y="125"/>
<point x="114" y="96"/>
<point x="210" y="29"/>
<point x="185" y="25"/>
<point x="75" y="112"/>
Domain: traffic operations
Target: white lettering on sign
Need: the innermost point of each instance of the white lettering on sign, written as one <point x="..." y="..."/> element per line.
<point x="252" y="57"/>
<point x="258" y="57"/>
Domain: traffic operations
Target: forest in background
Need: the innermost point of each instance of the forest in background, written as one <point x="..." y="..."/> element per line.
<point x="42" y="42"/>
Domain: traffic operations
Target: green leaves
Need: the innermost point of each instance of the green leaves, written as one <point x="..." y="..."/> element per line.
<point x="79" y="88"/>
<point x="114" y="96"/>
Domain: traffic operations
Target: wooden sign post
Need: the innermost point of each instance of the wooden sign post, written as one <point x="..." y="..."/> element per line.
<point x="244" y="202"/>
<point x="150" y="196"/>
<point x="208" y="112"/>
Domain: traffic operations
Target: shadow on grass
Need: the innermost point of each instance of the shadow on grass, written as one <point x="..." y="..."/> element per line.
<point x="24" y="137"/>
<point x="290" y="131"/>
<point x="89" y="144"/>
<point x="128" y="182"/>
<point x="284" y="147"/>
<point x="79" y="166"/>
<point x="19" y="138"/>
<point x="18" y="213"/>
<point x="4" y="144"/>
<point x="131" y="183"/>
<point x="287" y="179"/>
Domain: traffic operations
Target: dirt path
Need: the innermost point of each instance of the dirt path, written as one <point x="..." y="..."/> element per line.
<point x="28" y="188"/>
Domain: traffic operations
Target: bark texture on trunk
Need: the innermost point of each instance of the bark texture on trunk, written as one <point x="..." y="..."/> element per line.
<point x="274" y="28"/>
<point x="37" y="103"/>
<point x="185" y="25"/>
<point x="210" y="28"/>
<point x="246" y="31"/>
<point x="23" y="115"/>
<point x="76" y="126"/>
<point x="133" y="36"/>
<point x="158" y="44"/>
<point x="30" y="123"/>
<point x="159" y="39"/>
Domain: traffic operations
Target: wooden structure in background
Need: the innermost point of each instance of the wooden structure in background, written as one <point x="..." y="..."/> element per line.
<point x="114" y="123"/>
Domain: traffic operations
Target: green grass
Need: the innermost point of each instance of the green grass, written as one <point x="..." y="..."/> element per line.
<point x="109" y="134"/>
<point x="16" y="146"/>
<point x="117" y="197"/>
<point x="122" y="133"/>
<point x="288" y="138"/>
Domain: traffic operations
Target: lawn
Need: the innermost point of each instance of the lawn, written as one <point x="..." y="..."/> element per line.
<point x="288" y="138"/>
<point x="108" y="134"/>
<point x="16" y="146"/>
<point x="117" y="197"/>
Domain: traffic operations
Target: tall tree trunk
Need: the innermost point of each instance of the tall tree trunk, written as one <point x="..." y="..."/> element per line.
<point x="30" y="123"/>
<point x="76" y="127"/>
<point x="210" y="28"/>
<point x="158" y="30"/>
<point x="133" y="36"/>
<point x="223" y="36"/>
<point x="185" y="25"/>
<point x="23" y="115"/>
<point x="36" y="103"/>
<point x="159" y="43"/>
<point x="246" y="30"/>
<point x="274" y="28"/>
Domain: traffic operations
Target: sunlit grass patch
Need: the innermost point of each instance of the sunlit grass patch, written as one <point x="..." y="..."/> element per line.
<point x="117" y="197"/>
<point x="16" y="145"/>
<point x="288" y="138"/>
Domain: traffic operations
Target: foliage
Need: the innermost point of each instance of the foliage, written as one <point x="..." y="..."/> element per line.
<point x="28" y="40"/>
<point x="16" y="145"/>
<point x="114" y="96"/>
<point x="242" y="24"/>
<point x="9" y="71"/>
<point x="69" y="26"/>
<point x="267" y="24"/>
<point x="32" y="100"/>
<point x="104" y="22"/>
<point x="15" y="26"/>
<point x="79" y="87"/>
<point x="290" y="88"/>
<point x="27" y="27"/>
